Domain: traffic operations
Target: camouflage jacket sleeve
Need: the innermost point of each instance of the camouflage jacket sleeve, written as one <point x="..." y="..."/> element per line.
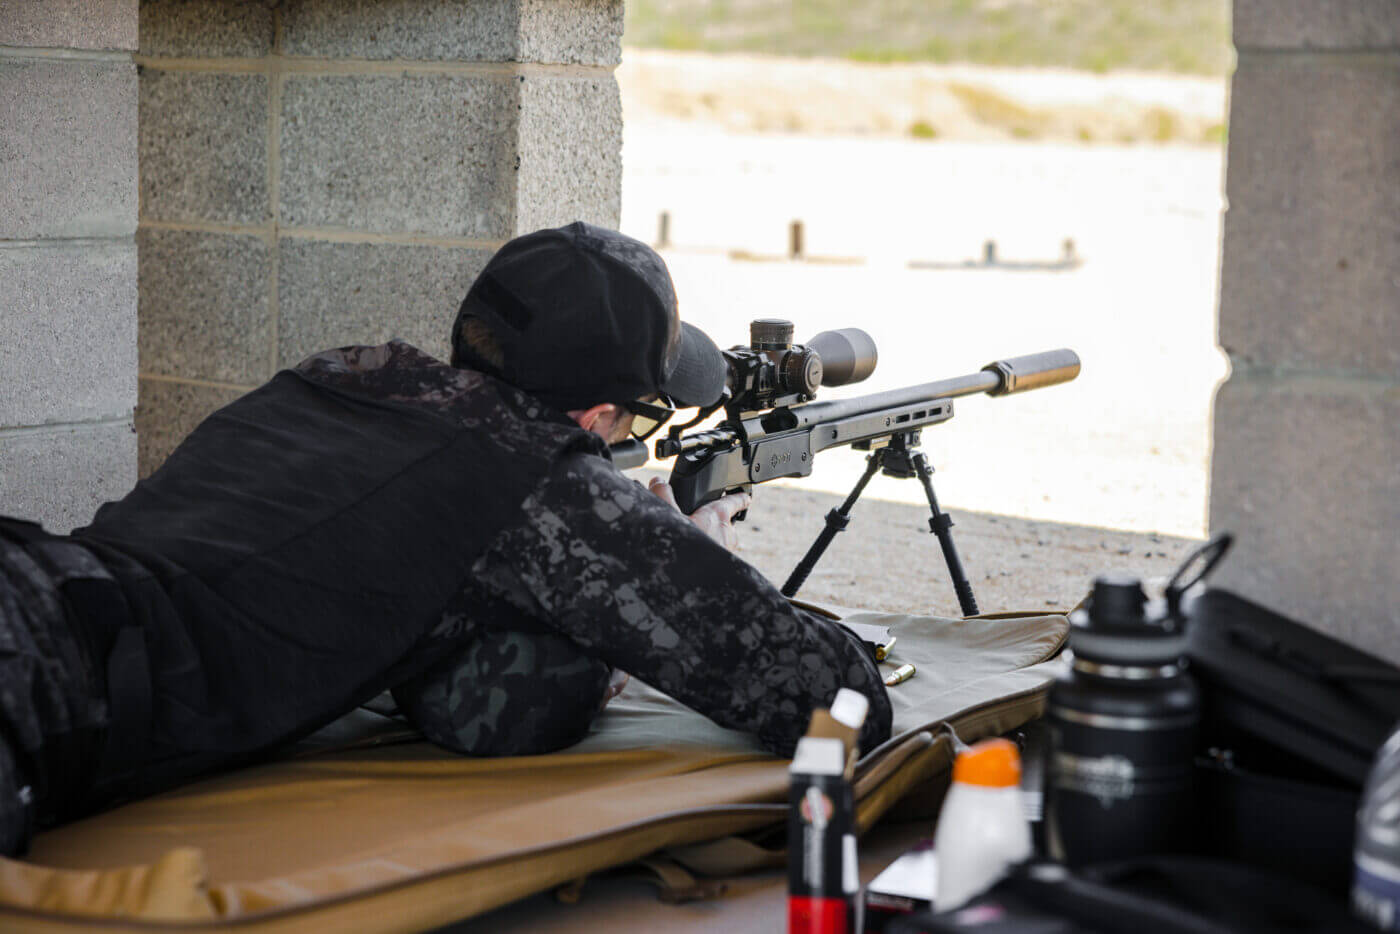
<point x="630" y="580"/>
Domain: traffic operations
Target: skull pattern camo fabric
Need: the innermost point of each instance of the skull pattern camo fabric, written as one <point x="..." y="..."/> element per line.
<point x="509" y="692"/>
<point x="629" y="581"/>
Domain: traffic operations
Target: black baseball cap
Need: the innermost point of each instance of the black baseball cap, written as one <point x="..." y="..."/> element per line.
<point x="587" y="315"/>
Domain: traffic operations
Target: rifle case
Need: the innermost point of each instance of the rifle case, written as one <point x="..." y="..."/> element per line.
<point x="1291" y="723"/>
<point x="368" y="830"/>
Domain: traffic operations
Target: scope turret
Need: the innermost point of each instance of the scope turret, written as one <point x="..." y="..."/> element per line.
<point x="770" y="334"/>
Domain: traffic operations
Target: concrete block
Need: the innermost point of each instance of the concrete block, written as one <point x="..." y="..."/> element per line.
<point x="573" y="32"/>
<point x="1304" y="473"/>
<point x="427" y="154"/>
<point x="70" y="24"/>
<point x="1311" y="247"/>
<point x="204" y="147"/>
<point x="168" y="412"/>
<point x="580" y="32"/>
<point x="59" y="476"/>
<point x="206" y="28"/>
<point x="67" y="333"/>
<point x="417" y="30"/>
<point x="1316" y="24"/>
<point x="333" y="294"/>
<point x="570" y="147"/>
<point x="204" y="306"/>
<point x="67" y="149"/>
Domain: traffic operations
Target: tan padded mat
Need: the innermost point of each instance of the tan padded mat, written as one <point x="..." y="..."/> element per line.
<point x="404" y="836"/>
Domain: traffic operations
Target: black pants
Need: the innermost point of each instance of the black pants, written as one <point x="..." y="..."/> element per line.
<point x="52" y="709"/>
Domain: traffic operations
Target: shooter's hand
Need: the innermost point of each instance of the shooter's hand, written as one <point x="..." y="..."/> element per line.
<point x="616" y="682"/>
<point x="715" y="519"/>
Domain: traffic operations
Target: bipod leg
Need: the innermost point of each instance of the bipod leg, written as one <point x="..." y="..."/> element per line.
<point x="941" y="525"/>
<point x="836" y="521"/>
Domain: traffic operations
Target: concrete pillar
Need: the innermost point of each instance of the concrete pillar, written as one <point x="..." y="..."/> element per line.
<point x="1306" y="464"/>
<point x="324" y="172"/>
<point x="67" y="257"/>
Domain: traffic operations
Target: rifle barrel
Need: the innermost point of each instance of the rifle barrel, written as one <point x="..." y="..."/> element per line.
<point x="1001" y="377"/>
<point x="835" y="409"/>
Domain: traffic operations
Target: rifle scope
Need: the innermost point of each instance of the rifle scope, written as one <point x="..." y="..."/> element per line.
<point x="774" y="371"/>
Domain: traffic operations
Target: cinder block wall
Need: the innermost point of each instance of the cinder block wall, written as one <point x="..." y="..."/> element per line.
<point x="324" y="172"/>
<point x="1306" y="464"/>
<point x="67" y="257"/>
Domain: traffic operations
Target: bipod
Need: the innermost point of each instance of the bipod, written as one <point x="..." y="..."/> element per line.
<point x="900" y="458"/>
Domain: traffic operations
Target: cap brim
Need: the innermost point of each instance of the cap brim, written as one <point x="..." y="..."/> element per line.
<point x="698" y="378"/>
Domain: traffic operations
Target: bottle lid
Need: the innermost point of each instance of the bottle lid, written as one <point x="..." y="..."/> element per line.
<point x="819" y="756"/>
<point x="849" y="708"/>
<point x="1118" y="599"/>
<point x="992" y="763"/>
<point x="1119" y="625"/>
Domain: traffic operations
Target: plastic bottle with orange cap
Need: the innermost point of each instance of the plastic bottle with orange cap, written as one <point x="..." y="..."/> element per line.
<point x="982" y="829"/>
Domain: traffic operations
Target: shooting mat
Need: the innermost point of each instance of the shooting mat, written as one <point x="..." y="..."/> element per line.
<point x="363" y="827"/>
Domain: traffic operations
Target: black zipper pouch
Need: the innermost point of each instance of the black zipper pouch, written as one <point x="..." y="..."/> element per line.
<point x="1291" y="722"/>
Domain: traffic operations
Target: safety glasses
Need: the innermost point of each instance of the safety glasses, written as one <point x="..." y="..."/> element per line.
<point x="648" y="417"/>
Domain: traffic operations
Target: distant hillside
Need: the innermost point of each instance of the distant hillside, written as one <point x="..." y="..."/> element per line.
<point x="1188" y="36"/>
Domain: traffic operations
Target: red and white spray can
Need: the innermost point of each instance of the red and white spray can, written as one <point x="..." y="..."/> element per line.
<point x="823" y="876"/>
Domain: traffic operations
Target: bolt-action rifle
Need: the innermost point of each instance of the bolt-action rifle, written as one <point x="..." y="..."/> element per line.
<point x="772" y="429"/>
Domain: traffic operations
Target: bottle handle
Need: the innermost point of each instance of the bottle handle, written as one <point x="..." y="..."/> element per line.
<point x="1211" y="554"/>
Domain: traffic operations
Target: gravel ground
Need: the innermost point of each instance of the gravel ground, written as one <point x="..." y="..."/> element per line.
<point x="887" y="560"/>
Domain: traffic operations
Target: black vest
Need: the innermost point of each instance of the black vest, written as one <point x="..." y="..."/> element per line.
<point x="290" y="556"/>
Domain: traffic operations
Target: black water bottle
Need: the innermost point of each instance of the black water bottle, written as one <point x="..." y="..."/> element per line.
<point x="1123" y="720"/>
